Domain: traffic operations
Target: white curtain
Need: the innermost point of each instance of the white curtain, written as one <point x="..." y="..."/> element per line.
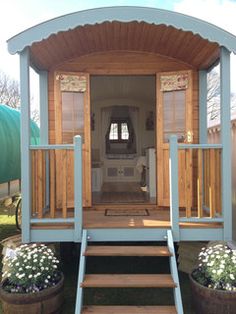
<point x="106" y="120"/>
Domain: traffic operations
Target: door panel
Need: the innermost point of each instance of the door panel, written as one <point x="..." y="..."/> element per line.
<point x="174" y="116"/>
<point x="73" y="118"/>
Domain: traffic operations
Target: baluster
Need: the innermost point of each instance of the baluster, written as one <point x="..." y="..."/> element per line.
<point x="52" y="182"/>
<point x="200" y="183"/>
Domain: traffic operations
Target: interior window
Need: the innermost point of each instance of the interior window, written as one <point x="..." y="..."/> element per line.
<point x="113" y="135"/>
<point x="119" y="131"/>
<point x="120" y="137"/>
<point x="124" y="131"/>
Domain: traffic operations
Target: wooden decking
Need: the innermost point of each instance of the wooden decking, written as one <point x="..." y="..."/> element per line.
<point x="96" y="218"/>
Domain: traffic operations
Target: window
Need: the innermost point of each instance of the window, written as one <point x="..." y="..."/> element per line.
<point x="113" y="135"/>
<point x="119" y="131"/>
<point x="174" y="114"/>
<point x="72" y="116"/>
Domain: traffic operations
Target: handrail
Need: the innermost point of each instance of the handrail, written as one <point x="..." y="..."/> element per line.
<point x="205" y="219"/>
<point x="51" y="220"/>
<point x="54" y="146"/>
<point x="202" y="146"/>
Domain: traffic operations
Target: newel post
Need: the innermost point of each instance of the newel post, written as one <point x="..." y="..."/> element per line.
<point x="78" y="191"/>
<point x="226" y="142"/>
<point x="25" y="144"/>
<point x="174" y="187"/>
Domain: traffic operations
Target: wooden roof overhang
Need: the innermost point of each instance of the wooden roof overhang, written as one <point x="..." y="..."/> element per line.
<point x="184" y="38"/>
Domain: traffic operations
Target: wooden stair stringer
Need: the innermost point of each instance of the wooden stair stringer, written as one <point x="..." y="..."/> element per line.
<point x="124" y="281"/>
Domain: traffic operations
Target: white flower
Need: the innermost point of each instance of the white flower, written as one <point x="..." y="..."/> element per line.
<point x="30" y="276"/>
<point x="231" y="276"/>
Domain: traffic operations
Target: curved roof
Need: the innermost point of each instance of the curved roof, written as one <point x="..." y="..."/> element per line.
<point x="10" y="143"/>
<point x="44" y="30"/>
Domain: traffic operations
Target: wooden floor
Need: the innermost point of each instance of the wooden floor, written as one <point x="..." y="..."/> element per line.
<point x="122" y="193"/>
<point x="98" y="219"/>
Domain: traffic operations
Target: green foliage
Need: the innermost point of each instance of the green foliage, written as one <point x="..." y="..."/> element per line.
<point x="30" y="268"/>
<point x="217" y="267"/>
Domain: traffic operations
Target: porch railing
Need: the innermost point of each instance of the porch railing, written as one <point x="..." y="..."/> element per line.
<point x="55" y="170"/>
<point x="202" y="175"/>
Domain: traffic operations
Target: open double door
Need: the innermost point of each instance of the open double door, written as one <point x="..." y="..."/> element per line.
<point x="173" y="116"/>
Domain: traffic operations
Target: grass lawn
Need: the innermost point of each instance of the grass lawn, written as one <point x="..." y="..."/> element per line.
<point x="69" y="264"/>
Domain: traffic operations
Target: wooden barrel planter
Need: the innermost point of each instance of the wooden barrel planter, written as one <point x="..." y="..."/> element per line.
<point x="210" y="301"/>
<point x="47" y="301"/>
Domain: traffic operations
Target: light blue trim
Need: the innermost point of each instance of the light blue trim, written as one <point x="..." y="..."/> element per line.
<point x="78" y="194"/>
<point x="25" y="142"/>
<point x="201" y="234"/>
<point x="109" y="235"/>
<point x="196" y="219"/>
<point x="226" y="141"/>
<point x="174" y="273"/>
<point x="51" y="220"/>
<point x="197" y="146"/>
<point x="82" y="269"/>
<point x="203" y="106"/>
<point x="174" y="187"/>
<point x="117" y="235"/>
<point x="43" y="96"/>
<point x="52" y="235"/>
<point x="122" y="14"/>
<point x="58" y="146"/>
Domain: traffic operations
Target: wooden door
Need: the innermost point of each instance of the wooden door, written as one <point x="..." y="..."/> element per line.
<point x="73" y="118"/>
<point x="174" y="116"/>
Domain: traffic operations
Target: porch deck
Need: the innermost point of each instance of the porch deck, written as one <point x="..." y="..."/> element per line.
<point x="149" y="217"/>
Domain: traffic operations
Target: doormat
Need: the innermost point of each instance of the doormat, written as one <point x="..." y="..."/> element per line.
<point x="127" y="212"/>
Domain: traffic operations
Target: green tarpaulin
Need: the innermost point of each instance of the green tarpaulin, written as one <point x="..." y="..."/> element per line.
<point x="10" y="143"/>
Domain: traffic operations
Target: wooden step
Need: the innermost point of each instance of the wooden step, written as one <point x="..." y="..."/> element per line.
<point x="129" y="310"/>
<point x="99" y="250"/>
<point x="128" y="281"/>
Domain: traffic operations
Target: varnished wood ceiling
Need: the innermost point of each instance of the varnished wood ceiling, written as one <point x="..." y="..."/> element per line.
<point x="119" y="36"/>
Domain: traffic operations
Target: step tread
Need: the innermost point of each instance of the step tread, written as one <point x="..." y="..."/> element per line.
<point x="102" y="250"/>
<point x="129" y="309"/>
<point x="128" y="281"/>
